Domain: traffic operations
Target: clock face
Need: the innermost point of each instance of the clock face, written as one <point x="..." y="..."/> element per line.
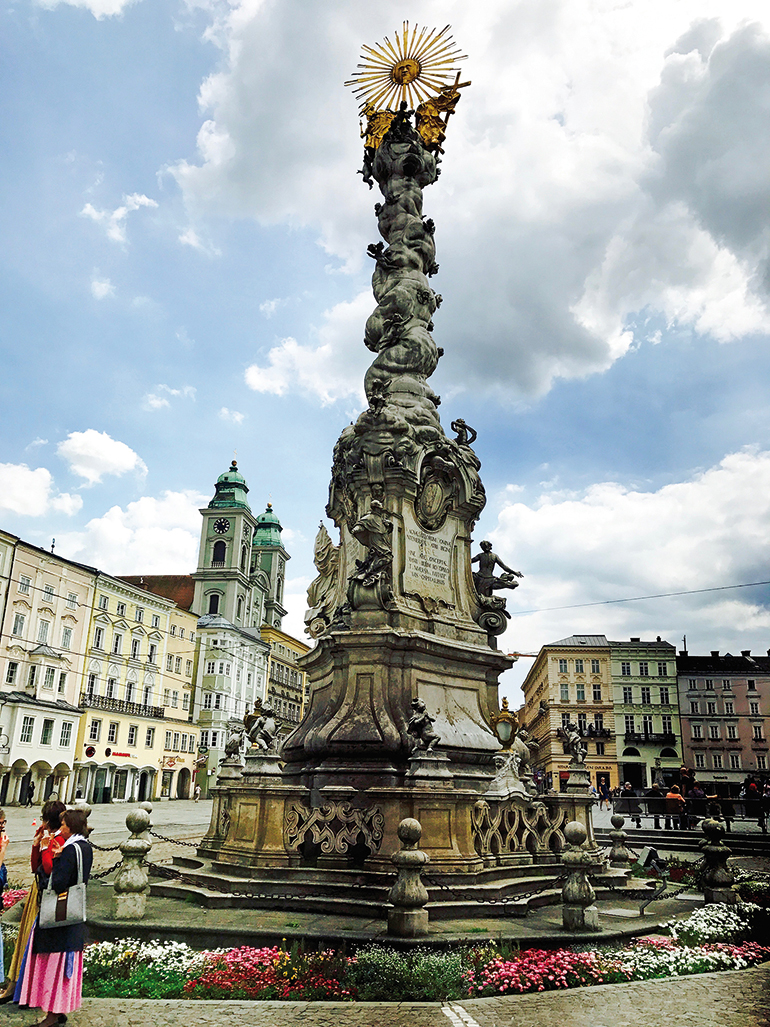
<point x="221" y="526"/>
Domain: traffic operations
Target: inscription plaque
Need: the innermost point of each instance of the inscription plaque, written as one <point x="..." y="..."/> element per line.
<point x="428" y="560"/>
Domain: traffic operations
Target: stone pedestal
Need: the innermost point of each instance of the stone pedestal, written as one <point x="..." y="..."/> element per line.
<point x="230" y="769"/>
<point x="718" y="877"/>
<point x="578" y="911"/>
<point x="619" y="854"/>
<point x="409" y="895"/>
<point x="132" y="885"/>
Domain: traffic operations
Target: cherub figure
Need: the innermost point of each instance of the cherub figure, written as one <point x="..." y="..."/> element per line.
<point x="263" y="730"/>
<point x="420" y="726"/>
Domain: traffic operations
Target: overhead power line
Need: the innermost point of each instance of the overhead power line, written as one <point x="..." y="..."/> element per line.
<point x="638" y="599"/>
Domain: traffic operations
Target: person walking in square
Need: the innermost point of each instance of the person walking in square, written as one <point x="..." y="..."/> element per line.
<point x="30" y="794"/>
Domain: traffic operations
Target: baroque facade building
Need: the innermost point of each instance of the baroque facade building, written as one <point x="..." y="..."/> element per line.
<point x="135" y="740"/>
<point x="647" y="724"/>
<point x="236" y="594"/>
<point x="622" y="697"/>
<point x="570" y="682"/>
<point x="286" y="683"/>
<point x="47" y="604"/>
<point x="121" y="688"/>
<point x="725" y="704"/>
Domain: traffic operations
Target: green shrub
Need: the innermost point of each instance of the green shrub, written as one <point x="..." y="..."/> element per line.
<point x="380" y="974"/>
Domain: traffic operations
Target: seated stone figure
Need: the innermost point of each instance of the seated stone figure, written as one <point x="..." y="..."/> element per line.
<point x="420" y="726"/>
<point x="263" y="730"/>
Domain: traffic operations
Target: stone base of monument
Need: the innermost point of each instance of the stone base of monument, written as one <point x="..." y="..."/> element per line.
<point x="278" y="846"/>
<point x="128" y="906"/>
<point x="579" y="779"/>
<point x="262" y="763"/>
<point x="580" y="918"/>
<point x="726" y="895"/>
<point x="229" y="770"/>
<point x="425" y="768"/>
<point x="407" y="923"/>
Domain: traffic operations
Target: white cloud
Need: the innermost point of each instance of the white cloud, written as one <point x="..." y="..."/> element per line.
<point x="331" y="370"/>
<point x="114" y="222"/>
<point x="191" y="238"/>
<point x="269" y="307"/>
<point x="233" y="416"/>
<point x="608" y="157"/>
<point x="31" y="493"/>
<point x="612" y="542"/>
<point x="101" y="288"/>
<point x="99" y="8"/>
<point x="149" y="536"/>
<point x="160" y="398"/>
<point x="37" y="442"/>
<point x="91" y="454"/>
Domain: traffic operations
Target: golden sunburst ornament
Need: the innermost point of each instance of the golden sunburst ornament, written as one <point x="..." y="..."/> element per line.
<point x="411" y="68"/>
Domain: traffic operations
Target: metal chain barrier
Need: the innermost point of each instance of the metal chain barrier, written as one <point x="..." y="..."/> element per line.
<point x="106" y="873"/>
<point x="503" y="901"/>
<point x="104" y="848"/>
<point x="174" y="841"/>
<point x="160" y="870"/>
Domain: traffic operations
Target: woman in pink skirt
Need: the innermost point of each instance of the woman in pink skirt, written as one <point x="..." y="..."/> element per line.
<point x="53" y="971"/>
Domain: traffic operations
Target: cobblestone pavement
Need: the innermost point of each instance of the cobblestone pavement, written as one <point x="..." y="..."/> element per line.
<point x="737" y="999"/>
<point x="184" y="820"/>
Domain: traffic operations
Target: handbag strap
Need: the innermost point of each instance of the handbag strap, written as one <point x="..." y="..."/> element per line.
<point x="79" y="859"/>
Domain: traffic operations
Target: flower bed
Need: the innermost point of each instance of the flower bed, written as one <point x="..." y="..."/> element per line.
<point x="14" y="895"/>
<point x="713" y="938"/>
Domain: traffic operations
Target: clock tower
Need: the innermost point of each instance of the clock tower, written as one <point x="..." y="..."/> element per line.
<point x="224" y="584"/>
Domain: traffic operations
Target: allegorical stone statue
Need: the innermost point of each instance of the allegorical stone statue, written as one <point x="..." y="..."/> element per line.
<point x="484" y="578"/>
<point x="575" y="747"/>
<point x="322" y="590"/>
<point x="236" y="731"/>
<point x="420" y="727"/>
<point x="262" y="729"/>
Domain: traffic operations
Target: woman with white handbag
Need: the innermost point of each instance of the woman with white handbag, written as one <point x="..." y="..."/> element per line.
<point x="53" y="973"/>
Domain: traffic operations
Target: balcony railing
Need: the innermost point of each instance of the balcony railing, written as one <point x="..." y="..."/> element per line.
<point x="654" y="738"/>
<point x="133" y="709"/>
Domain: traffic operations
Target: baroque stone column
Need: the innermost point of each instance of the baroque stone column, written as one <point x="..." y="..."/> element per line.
<point x="394" y="609"/>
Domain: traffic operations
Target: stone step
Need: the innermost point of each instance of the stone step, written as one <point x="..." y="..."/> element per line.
<point x="688" y="841"/>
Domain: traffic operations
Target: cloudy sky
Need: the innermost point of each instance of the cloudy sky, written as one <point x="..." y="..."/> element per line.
<point x="184" y="277"/>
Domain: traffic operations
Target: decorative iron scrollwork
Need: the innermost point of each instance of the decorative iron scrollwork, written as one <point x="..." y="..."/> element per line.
<point x="335" y="827"/>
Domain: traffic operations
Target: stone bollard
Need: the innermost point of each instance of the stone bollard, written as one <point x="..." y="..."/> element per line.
<point x="132" y="884"/>
<point x="408" y="895"/>
<point x="578" y="911"/>
<point x="619" y="854"/>
<point x="718" y="877"/>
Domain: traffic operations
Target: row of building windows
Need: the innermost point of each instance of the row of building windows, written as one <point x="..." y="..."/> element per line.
<point x="43" y="631"/>
<point x="174" y="665"/>
<point x="49" y="592"/>
<point x="176" y="741"/>
<point x="580" y="691"/>
<point x="734" y="761"/>
<point x="579" y="666"/>
<point x="731" y="732"/>
<point x="644" y="669"/>
<point x="27" y="733"/>
<point x="710" y="708"/>
<point x="135" y="651"/>
<point x="727" y="684"/>
<point x="646" y="694"/>
<point x="666" y="724"/>
<point x="34" y="674"/>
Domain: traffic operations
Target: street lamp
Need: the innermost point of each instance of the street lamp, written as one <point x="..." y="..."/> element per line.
<point x="504" y="724"/>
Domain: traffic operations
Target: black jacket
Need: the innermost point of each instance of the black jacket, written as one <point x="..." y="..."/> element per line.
<point x="64" y="875"/>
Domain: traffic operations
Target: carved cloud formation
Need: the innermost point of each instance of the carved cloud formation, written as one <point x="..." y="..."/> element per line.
<point x="607" y="160"/>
